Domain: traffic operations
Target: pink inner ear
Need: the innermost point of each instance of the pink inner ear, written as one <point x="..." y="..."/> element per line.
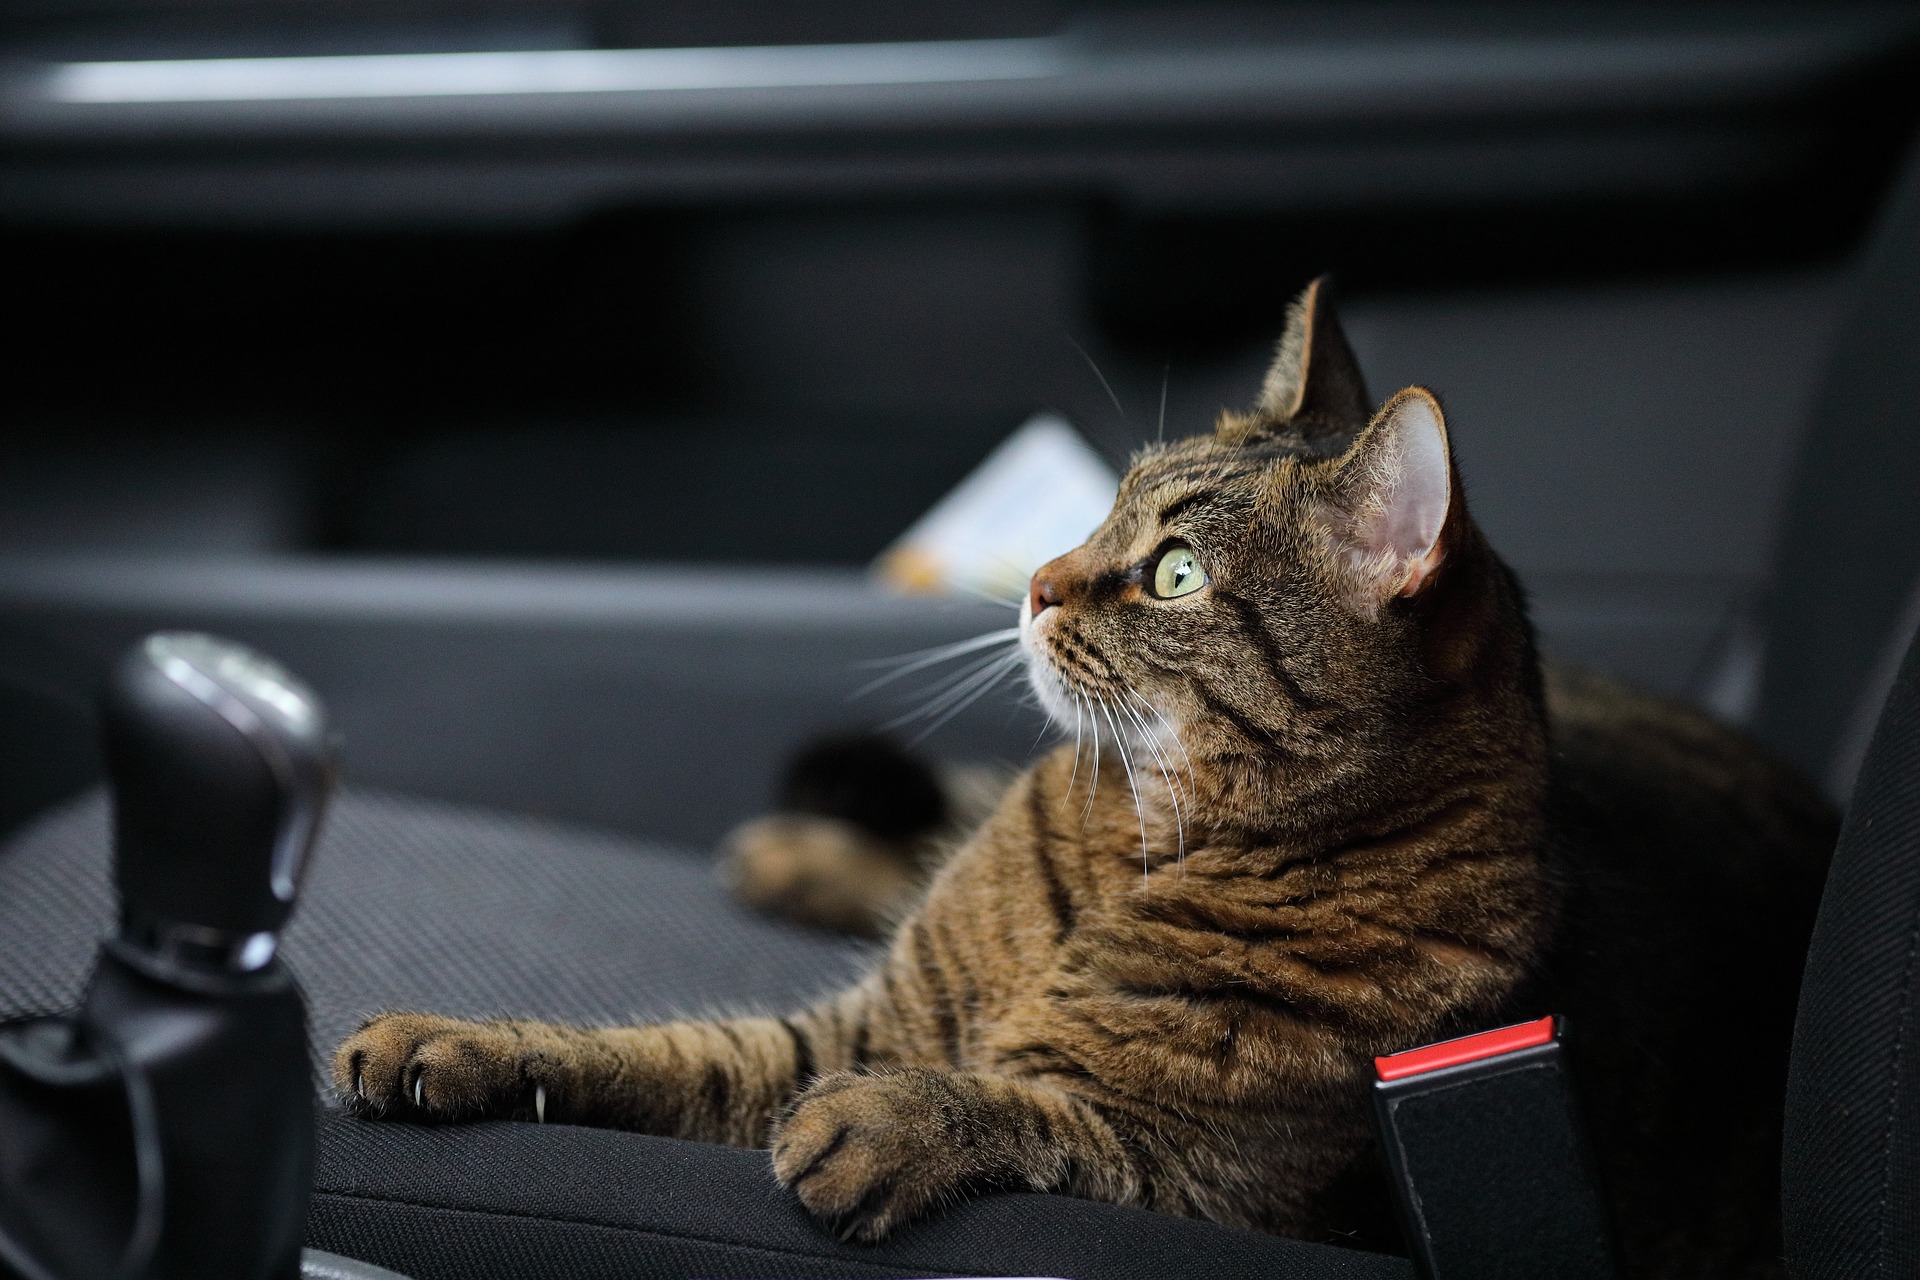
<point x="1415" y="490"/>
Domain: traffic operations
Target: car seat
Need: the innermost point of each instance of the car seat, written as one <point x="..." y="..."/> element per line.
<point x="417" y="903"/>
<point x="1850" y="1186"/>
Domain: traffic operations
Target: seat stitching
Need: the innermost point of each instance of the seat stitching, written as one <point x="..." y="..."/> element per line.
<point x="1893" y="1097"/>
<point x="616" y="1226"/>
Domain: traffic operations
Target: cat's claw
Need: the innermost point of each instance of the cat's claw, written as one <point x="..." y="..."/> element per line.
<point x="416" y="1066"/>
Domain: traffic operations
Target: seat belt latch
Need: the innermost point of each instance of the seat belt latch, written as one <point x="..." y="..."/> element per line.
<point x="1489" y="1160"/>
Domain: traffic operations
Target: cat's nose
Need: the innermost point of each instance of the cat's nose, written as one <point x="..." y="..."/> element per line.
<point x="1041" y="594"/>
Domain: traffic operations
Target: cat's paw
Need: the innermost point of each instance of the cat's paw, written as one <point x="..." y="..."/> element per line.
<point x="422" y="1067"/>
<point x="819" y="871"/>
<point x="868" y="1152"/>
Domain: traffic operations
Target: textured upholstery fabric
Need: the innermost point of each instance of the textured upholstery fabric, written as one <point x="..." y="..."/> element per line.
<point x="505" y="1200"/>
<point x="416" y="904"/>
<point x="419" y="904"/>
<point x="1851" y="1185"/>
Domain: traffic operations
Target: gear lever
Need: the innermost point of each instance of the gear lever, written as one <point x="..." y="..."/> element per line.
<point x="220" y="770"/>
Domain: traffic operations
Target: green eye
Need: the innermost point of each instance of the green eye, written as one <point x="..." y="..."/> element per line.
<point x="1179" y="574"/>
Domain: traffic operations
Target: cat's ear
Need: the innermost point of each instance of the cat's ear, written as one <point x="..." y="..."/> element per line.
<point x="1392" y="493"/>
<point x="1314" y="383"/>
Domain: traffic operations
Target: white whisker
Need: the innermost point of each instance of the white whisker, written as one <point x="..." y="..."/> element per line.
<point x="1093" y="787"/>
<point x="1103" y="378"/>
<point x="1139" y="809"/>
<point x="981" y="593"/>
<point x="957" y="686"/>
<point x="908" y="663"/>
<point x="1171" y="733"/>
<point x="1160" y="433"/>
<point x="1160" y="762"/>
<point x="960" y="696"/>
<point x="1075" y="775"/>
<point x="931" y="695"/>
<point x="1193" y="783"/>
<point x="1050" y="723"/>
<point x="992" y="683"/>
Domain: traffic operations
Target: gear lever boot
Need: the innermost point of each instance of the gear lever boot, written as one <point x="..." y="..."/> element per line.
<point x="220" y="771"/>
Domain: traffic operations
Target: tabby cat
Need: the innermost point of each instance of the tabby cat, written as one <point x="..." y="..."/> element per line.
<point x="1359" y="821"/>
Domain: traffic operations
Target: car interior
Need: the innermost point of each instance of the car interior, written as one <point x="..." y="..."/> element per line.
<point x="537" y="380"/>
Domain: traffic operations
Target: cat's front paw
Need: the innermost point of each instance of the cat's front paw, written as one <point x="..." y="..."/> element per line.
<point x="866" y="1153"/>
<point x="422" y="1067"/>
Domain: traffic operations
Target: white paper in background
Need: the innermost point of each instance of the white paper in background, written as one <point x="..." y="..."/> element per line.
<point x="1038" y="495"/>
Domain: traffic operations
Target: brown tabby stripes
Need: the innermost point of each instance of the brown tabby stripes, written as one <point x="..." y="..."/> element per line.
<point x="1341" y="830"/>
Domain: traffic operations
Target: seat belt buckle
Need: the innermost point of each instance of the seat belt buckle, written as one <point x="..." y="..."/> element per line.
<point x="1489" y="1161"/>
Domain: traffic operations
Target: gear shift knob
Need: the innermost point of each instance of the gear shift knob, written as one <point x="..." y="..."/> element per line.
<point x="220" y="767"/>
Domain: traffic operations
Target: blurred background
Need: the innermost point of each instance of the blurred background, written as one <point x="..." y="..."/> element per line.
<point x="539" y="378"/>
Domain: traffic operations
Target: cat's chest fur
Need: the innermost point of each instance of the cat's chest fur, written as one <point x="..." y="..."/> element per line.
<point x="1073" y="903"/>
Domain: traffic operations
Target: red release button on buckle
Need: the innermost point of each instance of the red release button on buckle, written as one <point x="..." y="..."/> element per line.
<point x="1451" y="1053"/>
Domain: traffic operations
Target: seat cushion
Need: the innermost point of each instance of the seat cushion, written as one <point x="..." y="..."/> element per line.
<point x="1850" y="1185"/>
<point x="561" y="1203"/>
<point x="417" y="904"/>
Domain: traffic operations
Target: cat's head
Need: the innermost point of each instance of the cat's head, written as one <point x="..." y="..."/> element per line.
<point x="1289" y="595"/>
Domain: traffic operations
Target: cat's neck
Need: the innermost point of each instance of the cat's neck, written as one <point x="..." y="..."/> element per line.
<point x="1476" y="741"/>
<point x="1299" y="811"/>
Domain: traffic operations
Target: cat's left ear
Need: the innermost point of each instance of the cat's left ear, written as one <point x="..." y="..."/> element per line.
<point x="1314" y="383"/>
<point x="1392" y="493"/>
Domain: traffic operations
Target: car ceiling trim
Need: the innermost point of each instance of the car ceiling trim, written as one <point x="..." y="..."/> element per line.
<point x="1052" y="82"/>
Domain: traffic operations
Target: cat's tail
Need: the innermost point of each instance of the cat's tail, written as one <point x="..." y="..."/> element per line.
<point x="859" y="825"/>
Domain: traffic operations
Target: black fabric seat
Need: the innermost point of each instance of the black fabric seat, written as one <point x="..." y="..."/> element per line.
<point x="557" y="1201"/>
<point x="426" y="905"/>
<point x="417" y="904"/>
<point x="1851" y="1185"/>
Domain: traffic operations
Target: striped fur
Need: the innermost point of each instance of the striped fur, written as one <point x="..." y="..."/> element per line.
<point x="1168" y="994"/>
